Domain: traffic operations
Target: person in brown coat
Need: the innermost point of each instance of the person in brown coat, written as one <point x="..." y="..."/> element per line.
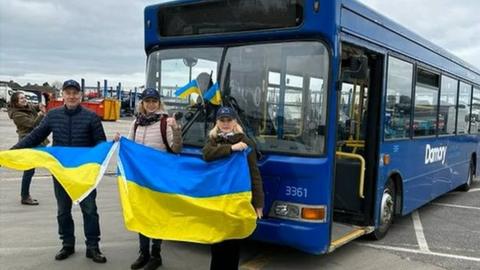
<point x="225" y="138"/>
<point x="26" y="117"/>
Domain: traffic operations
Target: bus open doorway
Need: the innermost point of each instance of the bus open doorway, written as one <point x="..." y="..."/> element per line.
<point x="359" y="99"/>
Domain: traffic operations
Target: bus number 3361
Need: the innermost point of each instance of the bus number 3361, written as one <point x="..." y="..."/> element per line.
<point x="296" y="191"/>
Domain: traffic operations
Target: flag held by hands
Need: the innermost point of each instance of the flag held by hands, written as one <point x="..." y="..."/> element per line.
<point x="77" y="169"/>
<point x="184" y="198"/>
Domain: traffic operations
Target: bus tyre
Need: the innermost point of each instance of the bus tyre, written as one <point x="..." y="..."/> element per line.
<point x="387" y="211"/>
<point x="468" y="184"/>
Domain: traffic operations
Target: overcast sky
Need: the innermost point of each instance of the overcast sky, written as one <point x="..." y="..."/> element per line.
<point x="53" y="40"/>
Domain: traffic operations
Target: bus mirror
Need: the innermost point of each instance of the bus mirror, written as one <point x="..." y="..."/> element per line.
<point x="356" y="67"/>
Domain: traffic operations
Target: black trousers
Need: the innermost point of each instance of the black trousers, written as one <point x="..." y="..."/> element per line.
<point x="225" y="255"/>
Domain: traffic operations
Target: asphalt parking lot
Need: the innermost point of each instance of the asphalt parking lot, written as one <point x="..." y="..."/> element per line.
<point x="444" y="234"/>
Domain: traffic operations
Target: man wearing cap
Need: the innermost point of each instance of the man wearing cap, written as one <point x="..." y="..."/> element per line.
<point x="72" y="125"/>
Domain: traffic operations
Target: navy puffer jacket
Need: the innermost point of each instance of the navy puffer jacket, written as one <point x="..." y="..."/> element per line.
<point x="77" y="127"/>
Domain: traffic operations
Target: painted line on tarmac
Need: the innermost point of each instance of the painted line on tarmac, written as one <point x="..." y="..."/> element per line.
<point x="417" y="225"/>
<point x="457" y="206"/>
<point x="416" y="251"/>
<point x="19" y="178"/>
<point x="463" y="192"/>
<point x="15" y="250"/>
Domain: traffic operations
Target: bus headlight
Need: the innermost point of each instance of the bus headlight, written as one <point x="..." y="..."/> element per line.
<point x="300" y="212"/>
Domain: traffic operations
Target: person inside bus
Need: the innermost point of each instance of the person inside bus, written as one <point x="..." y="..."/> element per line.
<point x="152" y="127"/>
<point x="226" y="137"/>
<point x="26" y="117"/>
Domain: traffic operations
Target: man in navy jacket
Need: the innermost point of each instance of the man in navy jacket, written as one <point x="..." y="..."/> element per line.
<point x="72" y="125"/>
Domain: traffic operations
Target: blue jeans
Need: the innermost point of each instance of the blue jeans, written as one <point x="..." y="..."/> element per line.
<point x="26" y="180"/>
<point x="66" y="228"/>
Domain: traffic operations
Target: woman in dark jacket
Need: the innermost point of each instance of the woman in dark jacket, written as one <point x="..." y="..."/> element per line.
<point x="225" y="138"/>
<point x="26" y="117"/>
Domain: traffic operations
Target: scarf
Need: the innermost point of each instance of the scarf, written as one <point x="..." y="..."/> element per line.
<point x="147" y="119"/>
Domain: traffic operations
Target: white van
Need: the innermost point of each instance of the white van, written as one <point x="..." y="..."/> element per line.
<point x="31" y="97"/>
<point x="5" y="94"/>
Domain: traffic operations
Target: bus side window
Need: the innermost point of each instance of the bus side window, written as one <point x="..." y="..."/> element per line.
<point x="399" y="95"/>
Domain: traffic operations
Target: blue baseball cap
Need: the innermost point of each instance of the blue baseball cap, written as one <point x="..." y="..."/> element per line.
<point x="71" y="84"/>
<point x="226" y="112"/>
<point x="150" y="93"/>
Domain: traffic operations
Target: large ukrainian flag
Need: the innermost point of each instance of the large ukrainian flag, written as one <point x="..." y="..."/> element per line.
<point x="184" y="198"/>
<point x="77" y="169"/>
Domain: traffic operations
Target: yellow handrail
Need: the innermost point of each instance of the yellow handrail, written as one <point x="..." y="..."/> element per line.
<point x="362" y="169"/>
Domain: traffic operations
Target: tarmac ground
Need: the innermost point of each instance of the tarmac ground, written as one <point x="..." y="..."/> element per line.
<point x="444" y="234"/>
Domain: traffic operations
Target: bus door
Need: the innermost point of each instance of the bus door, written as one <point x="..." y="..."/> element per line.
<point x="359" y="99"/>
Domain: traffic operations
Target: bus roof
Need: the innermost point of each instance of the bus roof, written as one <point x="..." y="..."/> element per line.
<point x="356" y="19"/>
<point x="385" y="31"/>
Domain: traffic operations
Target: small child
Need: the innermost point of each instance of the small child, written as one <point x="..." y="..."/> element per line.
<point x="225" y="138"/>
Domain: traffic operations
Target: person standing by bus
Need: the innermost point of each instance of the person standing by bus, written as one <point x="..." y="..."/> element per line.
<point x="152" y="127"/>
<point x="26" y="117"/>
<point x="225" y="138"/>
<point x="72" y="125"/>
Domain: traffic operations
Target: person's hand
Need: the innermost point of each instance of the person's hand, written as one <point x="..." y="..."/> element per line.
<point x="240" y="146"/>
<point x="172" y="122"/>
<point x="117" y="137"/>
<point x="42" y="108"/>
<point x="259" y="212"/>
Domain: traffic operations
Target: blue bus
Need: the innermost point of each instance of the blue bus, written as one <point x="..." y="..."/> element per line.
<point x="357" y="119"/>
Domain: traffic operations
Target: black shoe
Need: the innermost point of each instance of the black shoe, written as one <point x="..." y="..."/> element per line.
<point x="95" y="255"/>
<point x="64" y="253"/>
<point x="141" y="261"/>
<point x="153" y="263"/>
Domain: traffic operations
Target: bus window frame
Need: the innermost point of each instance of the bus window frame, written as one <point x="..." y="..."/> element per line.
<point x="460" y="81"/>
<point x="425" y="67"/>
<point x="226" y="34"/>
<point x="329" y="81"/>
<point x="407" y="60"/>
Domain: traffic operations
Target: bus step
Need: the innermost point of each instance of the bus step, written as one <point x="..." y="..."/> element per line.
<point x="344" y="233"/>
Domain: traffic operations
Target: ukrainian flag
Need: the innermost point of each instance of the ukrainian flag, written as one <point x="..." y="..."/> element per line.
<point x="213" y="94"/>
<point x="190" y="88"/>
<point x="184" y="198"/>
<point x="77" y="169"/>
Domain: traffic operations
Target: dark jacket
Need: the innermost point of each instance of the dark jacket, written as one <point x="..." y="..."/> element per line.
<point x="77" y="127"/>
<point x="25" y="119"/>
<point x="221" y="147"/>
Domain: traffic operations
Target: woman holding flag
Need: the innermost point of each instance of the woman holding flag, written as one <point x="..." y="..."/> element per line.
<point x="225" y="138"/>
<point x="152" y="127"/>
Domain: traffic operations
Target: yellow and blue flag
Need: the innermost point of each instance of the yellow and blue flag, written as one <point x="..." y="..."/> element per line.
<point x="189" y="88"/>
<point x="213" y="94"/>
<point x="77" y="169"/>
<point x="184" y="198"/>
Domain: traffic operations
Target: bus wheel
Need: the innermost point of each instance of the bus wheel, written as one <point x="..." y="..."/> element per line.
<point x="468" y="184"/>
<point x="387" y="211"/>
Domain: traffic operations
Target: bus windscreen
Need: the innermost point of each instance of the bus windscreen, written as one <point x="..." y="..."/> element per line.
<point x="215" y="17"/>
